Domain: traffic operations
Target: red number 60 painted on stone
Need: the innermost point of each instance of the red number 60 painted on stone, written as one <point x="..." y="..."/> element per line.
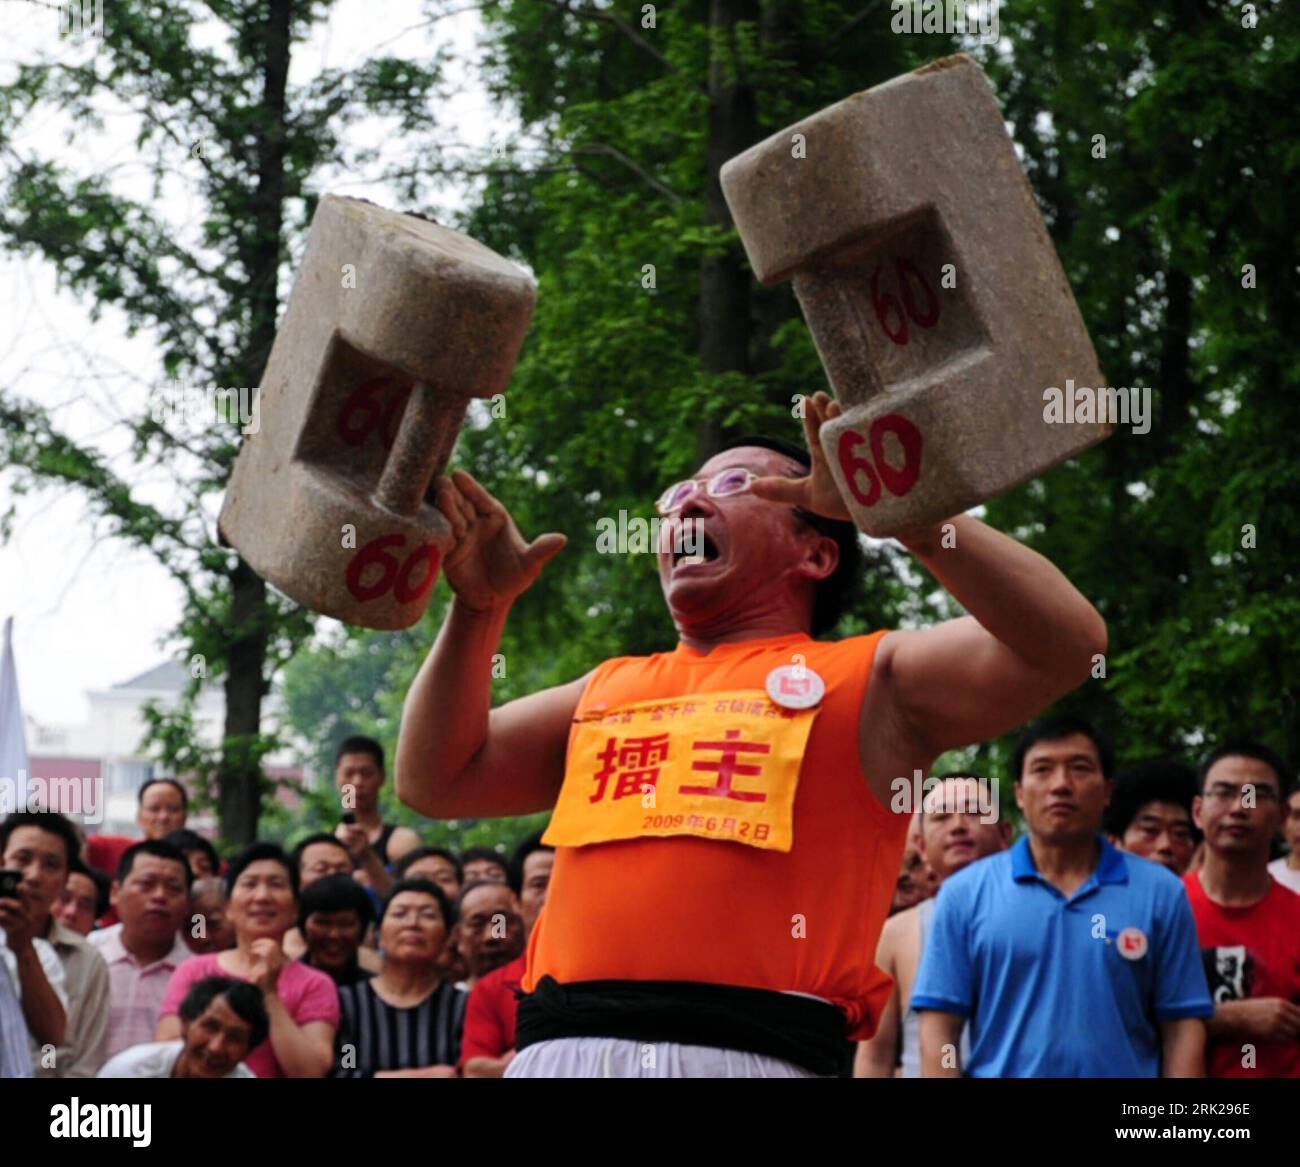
<point x="887" y="305"/>
<point x="876" y="470"/>
<point x="399" y="577"/>
<point x="374" y="405"/>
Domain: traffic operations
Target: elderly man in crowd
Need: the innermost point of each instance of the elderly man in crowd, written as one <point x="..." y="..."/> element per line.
<point x="489" y="1044"/>
<point x="491" y="930"/>
<point x="955" y="832"/>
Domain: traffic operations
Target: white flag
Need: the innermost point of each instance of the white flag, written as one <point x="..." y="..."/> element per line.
<point x="14" y="767"/>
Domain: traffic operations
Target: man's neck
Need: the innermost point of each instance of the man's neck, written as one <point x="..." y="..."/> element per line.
<point x="370" y="819"/>
<point x="704" y="638"/>
<point x="1067" y="863"/>
<point x="146" y="951"/>
<point x="1235" y="881"/>
<point x="1293" y="860"/>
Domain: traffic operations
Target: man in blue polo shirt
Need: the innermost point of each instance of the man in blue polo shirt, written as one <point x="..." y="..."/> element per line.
<point x="1069" y="958"/>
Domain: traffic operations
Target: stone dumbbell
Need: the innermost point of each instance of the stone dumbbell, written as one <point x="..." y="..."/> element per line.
<point x="932" y="290"/>
<point x="394" y="324"/>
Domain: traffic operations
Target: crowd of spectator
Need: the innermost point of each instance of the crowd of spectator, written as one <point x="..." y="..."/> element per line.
<point x="1138" y="927"/>
<point x="1141" y="924"/>
<point x="362" y="953"/>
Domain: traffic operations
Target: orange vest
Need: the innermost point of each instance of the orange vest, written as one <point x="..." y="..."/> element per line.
<point x="684" y="908"/>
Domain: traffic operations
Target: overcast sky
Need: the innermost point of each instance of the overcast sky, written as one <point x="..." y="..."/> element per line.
<point x="90" y="613"/>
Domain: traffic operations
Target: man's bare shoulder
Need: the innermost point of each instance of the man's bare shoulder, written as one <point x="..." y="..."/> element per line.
<point x="899" y="929"/>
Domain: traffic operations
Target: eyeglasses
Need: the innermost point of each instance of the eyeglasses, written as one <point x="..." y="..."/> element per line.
<point x="1222" y="792"/>
<point x="735" y="480"/>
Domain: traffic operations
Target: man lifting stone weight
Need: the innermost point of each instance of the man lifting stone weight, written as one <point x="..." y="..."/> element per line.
<point x="725" y="848"/>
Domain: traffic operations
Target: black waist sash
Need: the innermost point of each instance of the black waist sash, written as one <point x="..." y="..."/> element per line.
<point x="807" y="1032"/>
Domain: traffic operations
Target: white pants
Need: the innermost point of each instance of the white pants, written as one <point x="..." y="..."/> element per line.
<point x="616" y="1057"/>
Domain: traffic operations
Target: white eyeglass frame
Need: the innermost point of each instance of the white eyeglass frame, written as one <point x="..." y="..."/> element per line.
<point x="709" y="487"/>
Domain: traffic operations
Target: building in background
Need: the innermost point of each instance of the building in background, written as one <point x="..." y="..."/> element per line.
<point x="107" y="748"/>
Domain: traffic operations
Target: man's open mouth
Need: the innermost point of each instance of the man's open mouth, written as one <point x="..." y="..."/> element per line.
<point x="699" y="550"/>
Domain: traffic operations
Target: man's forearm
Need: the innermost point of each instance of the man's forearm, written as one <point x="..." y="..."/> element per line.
<point x="379" y="878"/>
<point x="485" y="1067"/>
<point x="445" y="717"/>
<point x="1017" y="595"/>
<point x="1183" y="1048"/>
<point x="1238" y="1019"/>
<point x="1226" y="1021"/>
<point x="42" y="1010"/>
<point x="940" y="1038"/>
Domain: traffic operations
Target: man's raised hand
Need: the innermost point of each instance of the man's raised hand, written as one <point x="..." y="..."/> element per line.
<point x="489" y="564"/>
<point x="817" y="491"/>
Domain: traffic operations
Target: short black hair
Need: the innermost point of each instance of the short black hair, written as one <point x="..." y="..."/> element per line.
<point x="1163" y="780"/>
<point x="360" y="744"/>
<point x="1249" y="748"/>
<point x="489" y="853"/>
<point x="835" y="593"/>
<point x="1055" y="727"/>
<point x="160" y="848"/>
<point x="186" y="841"/>
<point x="255" y="853"/>
<point x="44" y="820"/>
<point x="414" y="855"/>
<point x="515" y="872"/>
<point x="336" y="893"/>
<point x="312" y="840"/>
<point x="243" y="998"/>
<point x="103" y="885"/>
<point x="185" y="798"/>
<point x="428" y="887"/>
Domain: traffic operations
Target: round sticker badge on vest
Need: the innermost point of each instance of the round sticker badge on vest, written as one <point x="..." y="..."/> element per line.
<point x="795" y="686"/>
<point x="1132" y="944"/>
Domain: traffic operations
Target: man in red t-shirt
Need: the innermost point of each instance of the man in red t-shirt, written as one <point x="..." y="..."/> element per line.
<point x="488" y="1043"/>
<point x="1248" y="923"/>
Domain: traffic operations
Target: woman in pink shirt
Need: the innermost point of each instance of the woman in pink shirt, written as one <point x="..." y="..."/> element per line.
<point x="301" y="1003"/>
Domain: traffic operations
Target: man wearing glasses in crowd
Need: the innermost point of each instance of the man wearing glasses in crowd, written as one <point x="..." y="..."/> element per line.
<point x="1249" y="924"/>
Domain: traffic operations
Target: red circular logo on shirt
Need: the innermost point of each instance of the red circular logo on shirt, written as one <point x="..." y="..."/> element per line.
<point x="1132" y="944"/>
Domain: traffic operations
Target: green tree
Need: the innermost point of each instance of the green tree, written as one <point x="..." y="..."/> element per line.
<point x="1160" y="139"/>
<point x="206" y="87"/>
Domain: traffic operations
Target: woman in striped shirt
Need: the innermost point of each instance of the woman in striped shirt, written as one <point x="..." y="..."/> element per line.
<point x="406" y="1021"/>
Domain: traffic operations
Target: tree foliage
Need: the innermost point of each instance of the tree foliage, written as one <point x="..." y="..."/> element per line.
<point x="218" y="127"/>
<point x="1179" y="535"/>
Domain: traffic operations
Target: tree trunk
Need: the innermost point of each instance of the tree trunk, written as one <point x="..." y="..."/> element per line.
<point x="240" y="775"/>
<point x="724" y="280"/>
<point x="240" y="789"/>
